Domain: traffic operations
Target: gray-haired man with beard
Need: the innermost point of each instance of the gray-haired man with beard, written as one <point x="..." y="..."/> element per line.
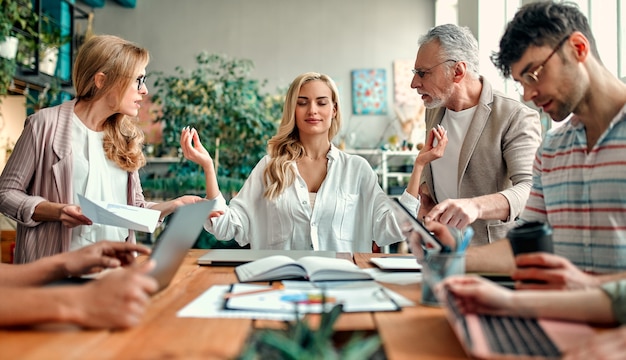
<point x="483" y="177"/>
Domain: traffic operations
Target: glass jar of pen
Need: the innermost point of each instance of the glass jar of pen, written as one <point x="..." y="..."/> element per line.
<point x="442" y="262"/>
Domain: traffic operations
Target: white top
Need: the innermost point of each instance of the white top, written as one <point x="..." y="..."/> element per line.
<point x="456" y="123"/>
<point x="97" y="178"/>
<point x="351" y="211"/>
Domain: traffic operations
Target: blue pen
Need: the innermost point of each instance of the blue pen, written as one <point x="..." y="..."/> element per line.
<point x="467" y="238"/>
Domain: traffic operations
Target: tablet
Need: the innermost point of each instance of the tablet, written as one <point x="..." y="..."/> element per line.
<point x="411" y="226"/>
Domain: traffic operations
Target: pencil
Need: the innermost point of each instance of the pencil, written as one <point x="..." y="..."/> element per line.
<point x="275" y="286"/>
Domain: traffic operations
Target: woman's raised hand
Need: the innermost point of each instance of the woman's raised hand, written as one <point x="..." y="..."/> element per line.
<point x="193" y="149"/>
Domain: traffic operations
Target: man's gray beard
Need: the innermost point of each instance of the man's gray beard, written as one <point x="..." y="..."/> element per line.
<point x="434" y="103"/>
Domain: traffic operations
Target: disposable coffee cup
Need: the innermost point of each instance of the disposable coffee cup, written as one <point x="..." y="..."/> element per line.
<point x="531" y="237"/>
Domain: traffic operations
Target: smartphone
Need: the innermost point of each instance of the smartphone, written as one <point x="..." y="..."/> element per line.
<point x="410" y="226"/>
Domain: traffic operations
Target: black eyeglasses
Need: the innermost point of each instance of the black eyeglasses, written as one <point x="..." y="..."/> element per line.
<point x="531" y="78"/>
<point x="140" y="82"/>
<point x="422" y="73"/>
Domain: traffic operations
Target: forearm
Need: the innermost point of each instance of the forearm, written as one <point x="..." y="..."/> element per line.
<point x="492" y="207"/>
<point x="47" y="211"/>
<point x="40" y="272"/>
<point x="26" y="306"/>
<point x="212" y="187"/>
<point x="592" y="306"/>
<point x="414" y="181"/>
<point x="496" y="257"/>
<point x="167" y="207"/>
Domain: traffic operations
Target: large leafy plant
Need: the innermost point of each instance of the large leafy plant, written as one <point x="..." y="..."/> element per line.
<point x="232" y="114"/>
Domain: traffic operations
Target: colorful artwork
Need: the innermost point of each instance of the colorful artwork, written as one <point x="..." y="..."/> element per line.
<point x="369" y="92"/>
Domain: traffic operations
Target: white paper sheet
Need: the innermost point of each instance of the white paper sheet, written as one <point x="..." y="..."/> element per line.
<point x="125" y="216"/>
<point x="210" y="304"/>
<point x="397" y="263"/>
<point x="395" y="277"/>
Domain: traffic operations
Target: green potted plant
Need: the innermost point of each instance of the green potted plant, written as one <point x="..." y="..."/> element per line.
<point x="51" y="39"/>
<point x="299" y="341"/>
<point x="17" y="14"/>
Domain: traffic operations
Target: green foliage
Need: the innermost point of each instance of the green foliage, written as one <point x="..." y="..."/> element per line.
<point x="220" y="100"/>
<point x="300" y="342"/>
<point x="7" y="70"/>
<point x="14" y="14"/>
<point x="18" y="14"/>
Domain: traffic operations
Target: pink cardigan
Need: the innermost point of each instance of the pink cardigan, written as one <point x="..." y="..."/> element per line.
<point x="40" y="169"/>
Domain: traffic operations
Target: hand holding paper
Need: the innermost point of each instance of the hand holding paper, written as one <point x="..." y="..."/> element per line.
<point x="125" y="216"/>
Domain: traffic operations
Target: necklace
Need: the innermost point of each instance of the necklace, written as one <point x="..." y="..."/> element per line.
<point x="317" y="158"/>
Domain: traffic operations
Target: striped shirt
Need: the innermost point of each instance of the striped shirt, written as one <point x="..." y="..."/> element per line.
<point x="582" y="194"/>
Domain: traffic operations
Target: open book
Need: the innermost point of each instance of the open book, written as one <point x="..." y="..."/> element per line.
<point x="313" y="268"/>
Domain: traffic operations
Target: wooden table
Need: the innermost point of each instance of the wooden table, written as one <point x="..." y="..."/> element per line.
<point x="418" y="332"/>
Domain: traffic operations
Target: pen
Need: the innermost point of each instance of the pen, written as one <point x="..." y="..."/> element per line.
<point x="467" y="238"/>
<point x="275" y="286"/>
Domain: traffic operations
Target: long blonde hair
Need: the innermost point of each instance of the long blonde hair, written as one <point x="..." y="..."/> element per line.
<point x="285" y="147"/>
<point x="118" y="59"/>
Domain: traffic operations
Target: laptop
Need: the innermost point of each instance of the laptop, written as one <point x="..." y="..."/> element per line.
<point x="180" y="233"/>
<point x="234" y="257"/>
<point x="171" y="246"/>
<point x="495" y="337"/>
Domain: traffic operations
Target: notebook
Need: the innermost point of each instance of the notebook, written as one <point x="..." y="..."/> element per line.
<point x="234" y="257"/>
<point x="180" y="233"/>
<point x="496" y="337"/>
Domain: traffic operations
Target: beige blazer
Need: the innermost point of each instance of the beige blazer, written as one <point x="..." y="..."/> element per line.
<point x="496" y="157"/>
<point x="40" y="169"/>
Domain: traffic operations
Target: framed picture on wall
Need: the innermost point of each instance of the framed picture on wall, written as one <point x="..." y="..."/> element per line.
<point x="369" y="92"/>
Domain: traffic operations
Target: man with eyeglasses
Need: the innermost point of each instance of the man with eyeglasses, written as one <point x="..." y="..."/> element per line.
<point x="579" y="174"/>
<point x="475" y="168"/>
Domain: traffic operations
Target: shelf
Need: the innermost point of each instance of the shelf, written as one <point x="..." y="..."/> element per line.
<point x="380" y="161"/>
<point x="398" y="174"/>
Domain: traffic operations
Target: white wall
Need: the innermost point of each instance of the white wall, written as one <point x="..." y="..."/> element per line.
<point x="283" y="37"/>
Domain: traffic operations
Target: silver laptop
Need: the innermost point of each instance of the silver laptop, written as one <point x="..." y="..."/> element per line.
<point x="180" y="233"/>
<point x="234" y="257"/>
<point x="496" y="337"/>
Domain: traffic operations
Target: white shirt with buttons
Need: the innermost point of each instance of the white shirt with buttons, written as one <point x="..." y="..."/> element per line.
<point x="351" y="211"/>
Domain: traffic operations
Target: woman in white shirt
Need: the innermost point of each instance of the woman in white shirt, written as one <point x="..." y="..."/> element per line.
<point x="305" y="194"/>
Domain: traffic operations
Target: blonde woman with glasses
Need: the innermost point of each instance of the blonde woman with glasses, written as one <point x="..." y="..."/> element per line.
<point x="90" y="145"/>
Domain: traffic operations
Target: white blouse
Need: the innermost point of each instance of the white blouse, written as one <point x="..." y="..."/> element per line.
<point x="351" y="211"/>
<point x="97" y="178"/>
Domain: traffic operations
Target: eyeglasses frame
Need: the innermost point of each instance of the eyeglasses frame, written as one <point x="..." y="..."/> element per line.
<point x="141" y="80"/>
<point x="531" y="78"/>
<point x="422" y="73"/>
